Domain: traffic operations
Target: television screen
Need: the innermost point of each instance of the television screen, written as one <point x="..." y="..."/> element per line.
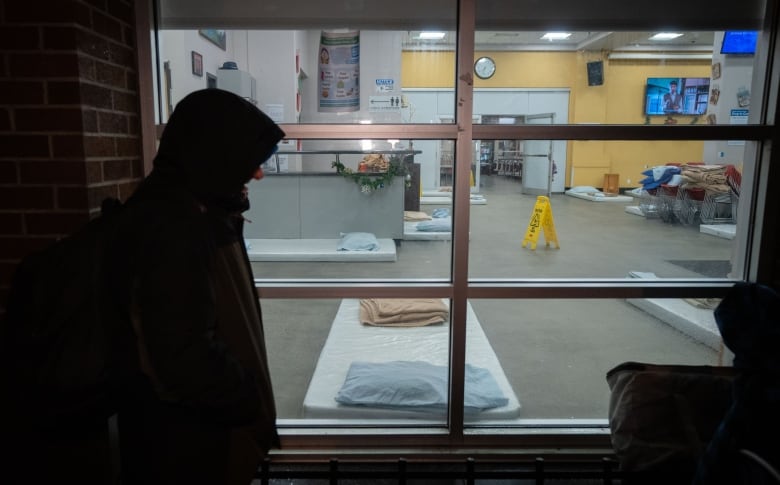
<point x="739" y="42"/>
<point x="677" y="95"/>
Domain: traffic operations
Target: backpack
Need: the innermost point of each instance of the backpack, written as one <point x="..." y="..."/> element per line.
<point x="57" y="332"/>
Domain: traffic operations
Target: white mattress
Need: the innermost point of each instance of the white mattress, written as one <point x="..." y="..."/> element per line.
<point x="726" y="231"/>
<point x="600" y="197"/>
<point x="634" y="209"/>
<point x="314" y="250"/>
<point x="349" y="340"/>
<point x="412" y="234"/>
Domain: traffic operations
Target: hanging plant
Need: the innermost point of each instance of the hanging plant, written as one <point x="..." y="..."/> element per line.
<point x="371" y="181"/>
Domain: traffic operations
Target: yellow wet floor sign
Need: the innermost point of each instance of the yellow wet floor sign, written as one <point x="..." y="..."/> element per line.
<point x="541" y="220"/>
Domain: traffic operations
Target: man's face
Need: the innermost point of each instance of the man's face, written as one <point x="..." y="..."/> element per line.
<point x="673" y="88"/>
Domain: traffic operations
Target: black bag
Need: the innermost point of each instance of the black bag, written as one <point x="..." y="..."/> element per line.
<point x="662" y="417"/>
<point x="56" y="335"/>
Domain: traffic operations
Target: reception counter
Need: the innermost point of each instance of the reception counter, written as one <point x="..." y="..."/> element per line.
<point x="316" y="205"/>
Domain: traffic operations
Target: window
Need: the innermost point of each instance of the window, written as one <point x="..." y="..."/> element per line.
<point x="653" y="213"/>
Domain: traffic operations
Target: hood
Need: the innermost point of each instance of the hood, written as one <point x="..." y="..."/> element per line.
<point x="213" y="143"/>
<point x="748" y="318"/>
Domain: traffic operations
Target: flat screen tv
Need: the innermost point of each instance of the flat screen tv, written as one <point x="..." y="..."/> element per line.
<point x="676" y="95"/>
<point x="739" y="42"/>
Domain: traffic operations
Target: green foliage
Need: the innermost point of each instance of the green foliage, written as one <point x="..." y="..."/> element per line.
<point x="371" y="181"/>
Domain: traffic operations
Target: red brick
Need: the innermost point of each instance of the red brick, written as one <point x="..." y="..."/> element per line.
<point x="94" y="172"/>
<point x="17" y="145"/>
<point x="94" y="45"/>
<point x="87" y="68"/>
<point x="60" y="38"/>
<point x="112" y="123"/>
<point x="19" y="37"/>
<point x="109" y="74"/>
<point x="127" y="189"/>
<point x="64" y="92"/>
<point x="8" y="172"/>
<point x="129" y="36"/>
<point x="5" y="120"/>
<point x="48" y="119"/>
<point x="90" y="121"/>
<point x="99" y="146"/>
<point x="105" y="25"/>
<point x="26" y="198"/>
<point x="54" y="222"/>
<point x="43" y="65"/>
<point x="71" y="198"/>
<point x="128" y="147"/>
<point x="15" y="248"/>
<point x="115" y="170"/>
<point x="121" y="10"/>
<point x="21" y="92"/>
<point x="98" y="194"/>
<point x="11" y="223"/>
<point x="54" y="172"/>
<point x="60" y="11"/>
<point x="138" y="169"/>
<point x="67" y="146"/>
<point x="125" y="102"/>
<point x="96" y="96"/>
<point x="7" y="270"/>
<point x="122" y="55"/>
<point x="134" y="124"/>
<point x="101" y="4"/>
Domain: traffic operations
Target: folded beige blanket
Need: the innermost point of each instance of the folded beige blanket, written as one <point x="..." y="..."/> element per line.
<point x="416" y="216"/>
<point x="403" y="312"/>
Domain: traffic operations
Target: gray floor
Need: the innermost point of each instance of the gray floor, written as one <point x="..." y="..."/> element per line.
<point x="554" y="352"/>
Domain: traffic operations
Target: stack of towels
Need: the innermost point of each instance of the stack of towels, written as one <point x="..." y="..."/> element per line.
<point x="403" y="312"/>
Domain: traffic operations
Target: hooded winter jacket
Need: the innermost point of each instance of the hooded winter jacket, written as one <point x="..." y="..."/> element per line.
<point x="196" y="403"/>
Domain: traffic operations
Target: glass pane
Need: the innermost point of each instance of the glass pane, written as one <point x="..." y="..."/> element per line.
<point x="313" y="73"/>
<point x="327" y="364"/>
<point x="629" y="208"/>
<point x="547" y="359"/>
<point x="351" y="209"/>
<point x="687" y="77"/>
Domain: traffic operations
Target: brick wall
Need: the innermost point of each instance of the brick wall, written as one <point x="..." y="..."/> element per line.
<point x="69" y="118"/>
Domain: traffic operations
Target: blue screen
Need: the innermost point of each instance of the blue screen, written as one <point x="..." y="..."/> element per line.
<point x="739" y="42"/>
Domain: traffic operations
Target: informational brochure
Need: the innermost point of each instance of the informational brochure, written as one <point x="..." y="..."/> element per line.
<point x="338" y="83"/>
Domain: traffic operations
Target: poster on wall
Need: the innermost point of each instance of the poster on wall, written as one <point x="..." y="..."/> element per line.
<point x="338" y="83"/>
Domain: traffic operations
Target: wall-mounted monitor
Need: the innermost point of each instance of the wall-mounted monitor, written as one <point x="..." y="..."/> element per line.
<point x="739" y="42"/>
<point x="676" y="95"/>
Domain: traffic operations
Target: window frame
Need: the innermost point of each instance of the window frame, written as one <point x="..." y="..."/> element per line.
<point x="758" y="243"/>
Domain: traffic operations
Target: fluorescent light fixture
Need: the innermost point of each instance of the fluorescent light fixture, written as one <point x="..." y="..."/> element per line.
<point x="432" y="35"/>
<point x="556" y="35"/>
<point x="665" y="36"/>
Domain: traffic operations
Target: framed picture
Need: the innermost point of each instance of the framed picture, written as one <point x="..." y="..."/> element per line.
<point x="716" y="70"/>
<point x="197" y="64"/>
<point x="218" y="37"/>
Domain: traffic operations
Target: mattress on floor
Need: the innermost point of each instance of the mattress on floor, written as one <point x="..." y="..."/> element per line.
<point x="600" y="197"/>
<point x="350" y="341"/>
<point x="315" y="250"/>
<point x="412" y="234"/>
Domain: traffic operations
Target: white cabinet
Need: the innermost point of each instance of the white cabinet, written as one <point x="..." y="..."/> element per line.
<point x="238" y="82"/>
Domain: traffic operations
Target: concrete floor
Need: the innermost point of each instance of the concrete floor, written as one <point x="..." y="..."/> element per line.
<point x="555" y="353"/>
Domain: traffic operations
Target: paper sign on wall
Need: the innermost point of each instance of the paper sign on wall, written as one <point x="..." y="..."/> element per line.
<point x="338" y="83"/>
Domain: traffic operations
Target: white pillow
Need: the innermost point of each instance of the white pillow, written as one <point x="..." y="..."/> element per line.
<point x="583" y="189"/>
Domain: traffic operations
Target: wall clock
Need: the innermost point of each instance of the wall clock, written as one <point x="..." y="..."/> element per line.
<point x="485" y="67"/>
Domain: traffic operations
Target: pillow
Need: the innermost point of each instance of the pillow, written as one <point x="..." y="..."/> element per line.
<point x="358" y="241"/>
<point x="443" y="224"/>
<point x="416" y="384"/>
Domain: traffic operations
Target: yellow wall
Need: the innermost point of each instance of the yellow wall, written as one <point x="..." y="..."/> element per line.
<point x="620" y="100"/>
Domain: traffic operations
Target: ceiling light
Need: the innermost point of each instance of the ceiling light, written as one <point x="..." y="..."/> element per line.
<point x="432" y="35"/>
<point x="556" y="35"/>
<point x="665" y="36"/>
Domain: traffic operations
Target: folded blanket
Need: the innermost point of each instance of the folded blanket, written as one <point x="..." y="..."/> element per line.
<point x="403" y="312"/>
<point x="416" y="216"/>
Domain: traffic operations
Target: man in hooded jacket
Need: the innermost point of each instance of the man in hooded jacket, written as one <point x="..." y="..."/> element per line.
<point x="195" y="397"/>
